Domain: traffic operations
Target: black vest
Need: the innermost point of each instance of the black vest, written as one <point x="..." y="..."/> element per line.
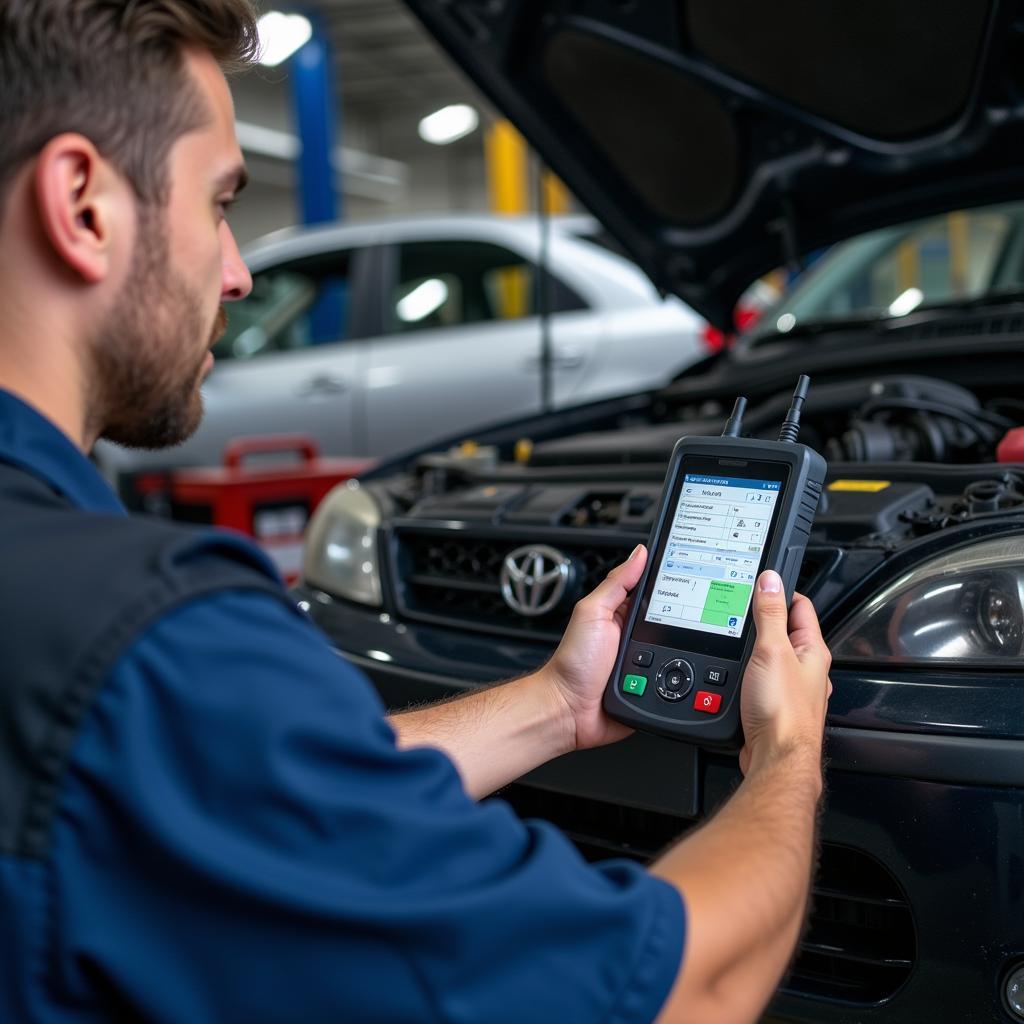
<point x="76" y="588"/>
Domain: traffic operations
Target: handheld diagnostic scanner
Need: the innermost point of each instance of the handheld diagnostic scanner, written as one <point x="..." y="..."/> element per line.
<point x="731" y="507"/>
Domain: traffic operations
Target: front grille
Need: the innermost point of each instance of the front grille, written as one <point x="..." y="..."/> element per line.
<point x="860" y="944"/>
<point x="450" y="577"/>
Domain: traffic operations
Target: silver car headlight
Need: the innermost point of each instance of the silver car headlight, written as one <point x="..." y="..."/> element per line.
<point x="965" y="606"/>
<point x="341" y="546"/>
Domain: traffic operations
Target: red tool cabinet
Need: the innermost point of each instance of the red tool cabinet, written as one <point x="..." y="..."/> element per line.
<point x="271" y="501"/>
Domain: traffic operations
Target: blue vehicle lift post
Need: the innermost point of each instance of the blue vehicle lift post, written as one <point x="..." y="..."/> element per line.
<point x="319" y="181"/>
<point x="315" y="117"/>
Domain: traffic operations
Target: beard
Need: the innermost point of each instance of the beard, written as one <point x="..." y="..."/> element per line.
<point x="148" y="368"/>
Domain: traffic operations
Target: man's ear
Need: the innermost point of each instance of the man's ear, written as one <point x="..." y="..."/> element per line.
<point x="83" y="205"/>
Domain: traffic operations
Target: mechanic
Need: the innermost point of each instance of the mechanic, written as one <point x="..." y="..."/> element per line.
<point x="204" y="813"/>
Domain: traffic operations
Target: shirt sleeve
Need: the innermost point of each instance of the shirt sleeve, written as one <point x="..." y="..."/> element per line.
<point x="239" y="839"/>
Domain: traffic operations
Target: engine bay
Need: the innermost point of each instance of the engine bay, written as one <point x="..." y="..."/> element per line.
<point x="908" y="455"/>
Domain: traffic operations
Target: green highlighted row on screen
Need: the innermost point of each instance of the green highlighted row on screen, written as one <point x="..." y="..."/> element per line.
<point x="725" y="601"/>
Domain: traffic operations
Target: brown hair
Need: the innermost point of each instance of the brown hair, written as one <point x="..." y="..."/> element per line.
<point x="113" y="71"/>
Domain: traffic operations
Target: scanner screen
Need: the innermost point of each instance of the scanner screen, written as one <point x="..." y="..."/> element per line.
<point x="711" y="558"/>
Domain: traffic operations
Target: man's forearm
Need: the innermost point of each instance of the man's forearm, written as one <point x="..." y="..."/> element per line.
<point x="744" y="878"/>
<point x="493" y="735"/>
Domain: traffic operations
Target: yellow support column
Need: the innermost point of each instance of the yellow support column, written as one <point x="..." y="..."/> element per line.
<point x="959" y="253"/>
<point x="556" y="195"/>
<point x="507" y="174"/>
<point x="508" y="183"/>
<point x="908" y="266"/>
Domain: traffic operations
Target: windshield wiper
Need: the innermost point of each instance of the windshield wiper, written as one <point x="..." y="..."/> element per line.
<point x="884" y="321"/>
<point x="1002" y="298"/>
<point x="812" y="328"/>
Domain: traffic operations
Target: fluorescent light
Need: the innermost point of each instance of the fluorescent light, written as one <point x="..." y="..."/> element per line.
<point x="448" y="124"/>
<point x="906" y="303"/>
<point x="423" y="300"/>
<point x="281" y="35"/>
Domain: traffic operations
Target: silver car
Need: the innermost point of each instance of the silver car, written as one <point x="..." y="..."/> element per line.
<point x="375" y="337"/>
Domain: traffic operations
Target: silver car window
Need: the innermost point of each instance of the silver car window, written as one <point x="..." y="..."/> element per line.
<point x="292" y="307"/>
<point x="453" y="282"/>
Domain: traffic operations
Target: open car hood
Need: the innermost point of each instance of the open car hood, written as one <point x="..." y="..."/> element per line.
<point x="717" y="139"/>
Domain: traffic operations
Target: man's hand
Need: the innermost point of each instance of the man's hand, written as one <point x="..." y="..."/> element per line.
<point x="745" y="874"/>
<point x="578" y="671"/>
<point x="786" y="686"/>
<point x="497" y="734"/>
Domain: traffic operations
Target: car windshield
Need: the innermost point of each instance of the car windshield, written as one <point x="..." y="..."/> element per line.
<point x="959" y="257"/>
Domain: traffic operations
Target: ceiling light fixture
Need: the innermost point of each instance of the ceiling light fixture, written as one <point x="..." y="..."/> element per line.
<point x="281" y="35"/>
<point x="449" y="124"/>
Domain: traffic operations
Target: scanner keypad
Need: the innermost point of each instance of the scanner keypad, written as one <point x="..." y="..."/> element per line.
<point x="674" y="676"/>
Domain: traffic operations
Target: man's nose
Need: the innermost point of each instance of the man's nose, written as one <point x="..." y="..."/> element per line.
<point x="236" y="281"/>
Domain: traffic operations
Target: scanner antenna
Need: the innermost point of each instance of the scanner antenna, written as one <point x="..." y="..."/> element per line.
<point x="791" y="424"/>
<point x="735" y="422"/>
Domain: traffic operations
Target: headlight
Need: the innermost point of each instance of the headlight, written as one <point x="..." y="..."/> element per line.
<point x="967" y="605"/>
<point x="341" y="546"/>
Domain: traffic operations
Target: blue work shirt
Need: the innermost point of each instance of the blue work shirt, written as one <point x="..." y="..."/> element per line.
<point x="238" y="839"/>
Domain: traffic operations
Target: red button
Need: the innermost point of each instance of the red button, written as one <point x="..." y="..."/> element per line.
<point x="709" y="702"/>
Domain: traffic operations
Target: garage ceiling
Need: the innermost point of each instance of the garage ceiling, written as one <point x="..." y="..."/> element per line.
<point x="386" y="62"/>
<point x="388" y="75"/>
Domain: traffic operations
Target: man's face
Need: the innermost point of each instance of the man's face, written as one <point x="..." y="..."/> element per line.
<point x="153" y="351"/>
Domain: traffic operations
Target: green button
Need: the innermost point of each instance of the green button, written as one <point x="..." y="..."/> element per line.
<point x="634" y="684"/>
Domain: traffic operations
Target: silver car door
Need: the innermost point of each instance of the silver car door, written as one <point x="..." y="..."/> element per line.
<point x="439" y="381"/>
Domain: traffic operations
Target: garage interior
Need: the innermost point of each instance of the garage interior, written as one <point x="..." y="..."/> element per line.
<point x="534" y="284"/>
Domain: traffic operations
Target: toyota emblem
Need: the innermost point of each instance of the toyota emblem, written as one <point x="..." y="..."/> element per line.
<point x="534" y="579"/>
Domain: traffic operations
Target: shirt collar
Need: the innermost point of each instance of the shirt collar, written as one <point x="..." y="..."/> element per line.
<point x="30" y="441"/>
